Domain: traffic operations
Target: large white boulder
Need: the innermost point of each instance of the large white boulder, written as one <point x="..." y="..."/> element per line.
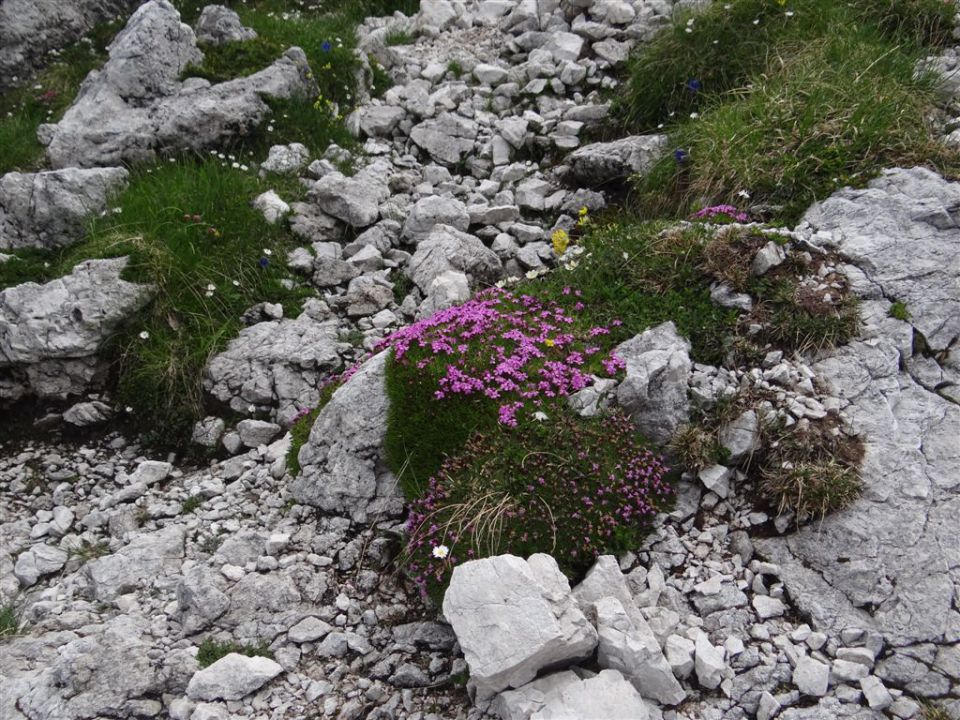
<point x="514" y="617"/>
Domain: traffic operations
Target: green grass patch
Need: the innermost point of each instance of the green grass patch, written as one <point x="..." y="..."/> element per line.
<point x="44" y="99"/>
<point x="26" y="265"/>
<point x="9" y="621"/>
<point x="899" y="311"/>
<point x="190" y="231"/>
<point x="790" y="108"/>
<point x="399" y="37"/>
<point x="211" y="650"/>
<point x="191" y="504"/>
<point x="300" y="430"/>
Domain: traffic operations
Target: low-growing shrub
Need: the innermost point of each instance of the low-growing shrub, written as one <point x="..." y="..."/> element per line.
<point x="9" y="621"/>
<point x="496" y="359"/>
<point x="556" y="483"/>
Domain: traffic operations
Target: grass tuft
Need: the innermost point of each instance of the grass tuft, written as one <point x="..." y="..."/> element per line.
<point x="789" y="108"/>
<point x="9" y="621"/>
<point x="211" y="650"/>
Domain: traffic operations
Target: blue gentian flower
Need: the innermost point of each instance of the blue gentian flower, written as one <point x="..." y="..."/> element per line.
<point x="264" y="262"/>
<point x="694" y="85"/>
<point x="326" y="46"/>
<point x="681" y="155"/>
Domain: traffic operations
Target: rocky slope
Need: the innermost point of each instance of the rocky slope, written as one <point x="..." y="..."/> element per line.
<point x="116" y="559"/>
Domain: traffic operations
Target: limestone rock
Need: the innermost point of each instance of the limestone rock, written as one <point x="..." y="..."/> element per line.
<point x="277" y="364"/>
<point x="30" y="29"/>
<point x="654" y="391"/>
<point x="218" y="24"/>
<point x="232" y="677"/>
<point x="342" y="466"/>
<point x="137" y="105"/>
<point x="446" y="249"/>
<point x="513" y="617"/>
<point x="431" y="211"/>
<point x="600" y="163"/>
<point x="50" y="209"/>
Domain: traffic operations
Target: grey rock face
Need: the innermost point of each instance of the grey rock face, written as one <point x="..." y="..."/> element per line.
<point x="431" y="211"/>
<point x="741" y="437"/>
<point x="148" y="556"/>
<point x="50" y="209"/>
<point x="38" y="561"/>
<point x="447" y="248"/>
<point x="136" y="104"/>
<point x="218" y="24"/>
<point x="635" y="652"/>
<point x="46" y="331"/>
<point x="600" y="163"/>
<point x="888" y="563"/>
<point x="513" y="617"/>
<point x="29" y="29"/>
<point x="83" y="680"/>
<point x="655" y="389"/>
<point x="354" y="200"/>
<point x="342" y="469"/>
<point x="447" y="139"/>
<point x="606" y="695"/>
<point x="232" y="677"/>
<point x="277" y="364"/>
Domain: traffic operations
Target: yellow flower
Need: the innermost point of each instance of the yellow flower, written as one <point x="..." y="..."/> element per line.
<point x="560" y="241"/>
<point x="549" y="343"/>
<point x="583" y="211"/>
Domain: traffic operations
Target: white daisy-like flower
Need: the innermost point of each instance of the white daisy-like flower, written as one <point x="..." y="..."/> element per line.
<point x="144" y="335"/>
<point x="441" y="551"/>
<point x="267" y="251"/>
<point x="211" y="287"/>
<point x="540" y="416"/>
<point x="236" y="283"/>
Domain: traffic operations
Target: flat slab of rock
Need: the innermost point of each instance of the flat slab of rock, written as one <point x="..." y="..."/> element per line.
<point x="232" y="677"/>
<point x="342" y="466"/>
<point x="887" y="564"/>
<point x="514" y="617"/>
<point x="567" y="696"/>
<point x="600" y="163"/>
<point x="50" y="209"/>
<point x="137" y="106"/>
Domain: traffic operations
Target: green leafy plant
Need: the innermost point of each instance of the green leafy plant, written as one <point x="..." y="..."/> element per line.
<point x="9" y="621"/>
<point x="899" y="311"/>
<point x="559" y="484"/>
<point x="211" y="650"/>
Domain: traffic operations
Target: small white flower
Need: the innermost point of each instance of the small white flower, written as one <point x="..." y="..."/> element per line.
<point x="744" y="194"/>
<point x="757" y="21"/>
<point x="208" y="293"/>
<point x="211" y="287"/>
<point x="689" y="30"/>
<point x="244" y="167"/>
<point x="267" y="251"/>
<point x="441" y="551"/>
<point x="252" y="409"/>
<point x="789" y="13"/>
<point x="236" y="283"/>
<point x="626" y="256"/>
<point x="144" y="335"/>
<point x="128" y="409"/>
<point x="540" y="416"/>
<point x="694" y="116"/>
<point x="531" y="274"/>
<point x="235" y="165"/>
<point x="117" y="211"/>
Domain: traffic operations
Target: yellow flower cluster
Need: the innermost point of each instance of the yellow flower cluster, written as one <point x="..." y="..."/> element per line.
<point x="561" y="241"/>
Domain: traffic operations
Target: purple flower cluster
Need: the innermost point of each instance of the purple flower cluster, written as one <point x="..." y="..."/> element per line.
<point x="591" y="488"/>
<point x="723" y="213"/>
<point x="510" y="349"/>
